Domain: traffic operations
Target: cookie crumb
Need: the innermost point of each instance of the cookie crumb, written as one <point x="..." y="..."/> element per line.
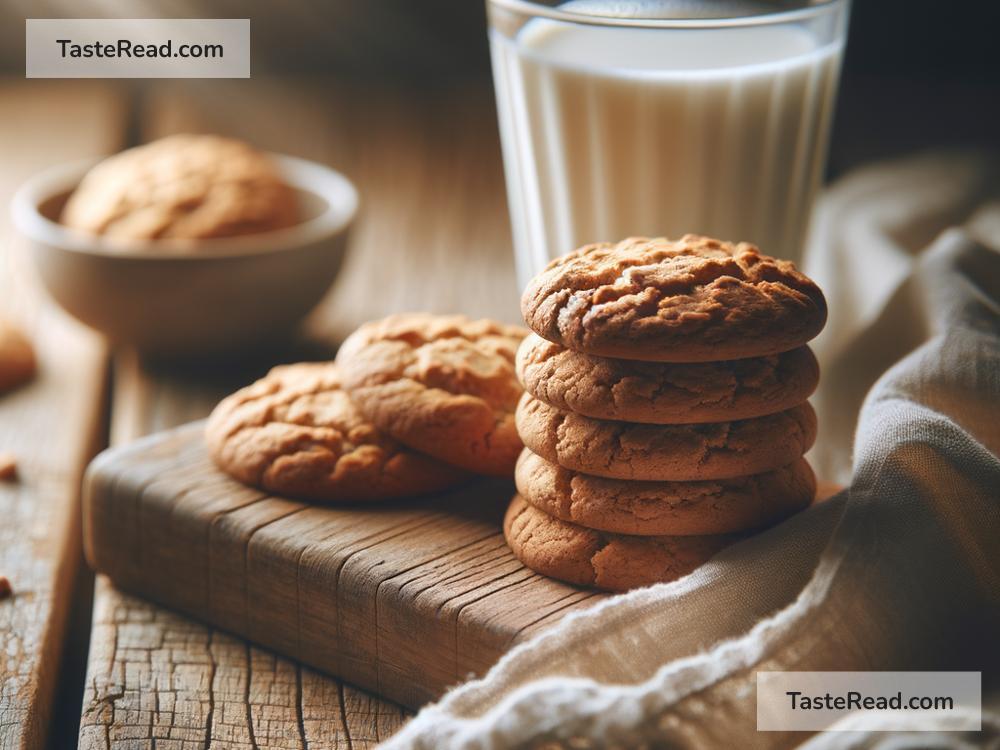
<point x="8" y="466"/>
<point x="5" y="589"/>
<point x="17" y="357"/>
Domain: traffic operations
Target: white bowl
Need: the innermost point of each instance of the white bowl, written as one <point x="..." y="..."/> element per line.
<point x="178" y="299"/>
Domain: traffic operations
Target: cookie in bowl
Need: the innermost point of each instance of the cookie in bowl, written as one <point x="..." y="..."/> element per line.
<point x="183" y="187"/>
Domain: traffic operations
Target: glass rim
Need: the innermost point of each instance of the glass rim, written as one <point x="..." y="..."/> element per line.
<point x="528" y="7"/>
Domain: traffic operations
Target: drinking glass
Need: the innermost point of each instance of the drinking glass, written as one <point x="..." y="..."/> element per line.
<point x="663" y="117"/>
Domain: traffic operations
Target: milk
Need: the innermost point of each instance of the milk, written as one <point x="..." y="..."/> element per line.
<point x="610" y="132"/>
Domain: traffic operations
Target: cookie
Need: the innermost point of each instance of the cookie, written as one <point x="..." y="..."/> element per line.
<point x="719" y="506"/>
<point x="8" y="466"/>
<point x="691" y="300"/>
<point x="443" y="384"/>
<point x="665" y="392"/>
<point x="674" y="453"/>
<point x="615" y="562"/>
<point x="296" y="432"/>
<point x="184" y="187"/>
<point x="17" y="357"/>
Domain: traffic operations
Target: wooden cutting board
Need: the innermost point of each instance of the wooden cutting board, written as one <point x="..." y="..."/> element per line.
<point x="405" y="599"/>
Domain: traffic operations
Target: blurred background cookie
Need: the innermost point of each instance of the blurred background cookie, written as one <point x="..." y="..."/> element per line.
<point x="183" y="187"/>
<point x="17" y="357"/>
<point x="442" y="384"/>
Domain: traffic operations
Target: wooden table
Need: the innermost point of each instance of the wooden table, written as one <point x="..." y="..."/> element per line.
<point x="433" y="236"/>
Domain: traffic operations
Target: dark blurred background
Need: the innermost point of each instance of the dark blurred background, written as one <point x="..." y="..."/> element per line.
<point x="917" y="73"/>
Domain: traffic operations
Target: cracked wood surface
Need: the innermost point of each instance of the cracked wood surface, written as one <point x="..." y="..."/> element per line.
<point x="158" y="678"/>
<point x="52" y="424"/>
<point x="433" y="235"/>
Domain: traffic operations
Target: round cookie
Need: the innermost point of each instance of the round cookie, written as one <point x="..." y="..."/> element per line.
<point x="665" y="392"/>
<point x="184" y="187"/>
<point x="623" y="506"/>
<point x="691" y="300"/>
<point x="17" y="357"/>
<point x="673" y="453"/>
<point x="615" y="562"/>
<point x="296" y="432"/>
<point x="443" y="384"/>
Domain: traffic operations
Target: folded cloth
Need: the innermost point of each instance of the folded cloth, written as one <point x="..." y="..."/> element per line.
<point x="870" y="232"/>
<point x="901" y="571"/>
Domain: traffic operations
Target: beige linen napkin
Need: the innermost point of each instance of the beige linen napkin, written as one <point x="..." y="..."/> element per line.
<point x="899" y="572"/>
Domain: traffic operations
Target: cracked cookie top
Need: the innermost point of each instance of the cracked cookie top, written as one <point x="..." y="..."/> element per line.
<point x="681" y="453"/>
<point x="443" y="384"/>
<point x="665" y="392"/>
<point x="296" y="432"/>
<point x="695" y="299"/>
<point x="587" y="557"/>
<point x="183" y="187"/>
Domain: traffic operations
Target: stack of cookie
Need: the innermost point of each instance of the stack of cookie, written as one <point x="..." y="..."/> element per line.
<point x="665" y="410"/>
<point x="414" y="404"/>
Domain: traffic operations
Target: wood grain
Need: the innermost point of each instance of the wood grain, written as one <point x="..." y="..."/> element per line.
<point x="160" y="679"/>
<point x="51" y="425"/>
<point x="405" y="599"/>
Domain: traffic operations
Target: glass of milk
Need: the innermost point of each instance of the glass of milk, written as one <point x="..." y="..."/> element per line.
<point x="663" y="117"/>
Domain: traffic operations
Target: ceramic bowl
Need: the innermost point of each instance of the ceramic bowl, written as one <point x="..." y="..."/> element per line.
<point x="210" y="296"/>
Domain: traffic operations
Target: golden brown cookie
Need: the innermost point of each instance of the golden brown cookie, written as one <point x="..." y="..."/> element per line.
<point x="17" y="357"/>
<point x="296" y="432"/>
<point x="443" y="384"/>
<point x="624" y="506"/>
<point x="586" y="557"/>
<point x="185" y="187"/>
<point x="691" y="300"/>
<point x="671" y="453"/>
<point x="665" y="392"/>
